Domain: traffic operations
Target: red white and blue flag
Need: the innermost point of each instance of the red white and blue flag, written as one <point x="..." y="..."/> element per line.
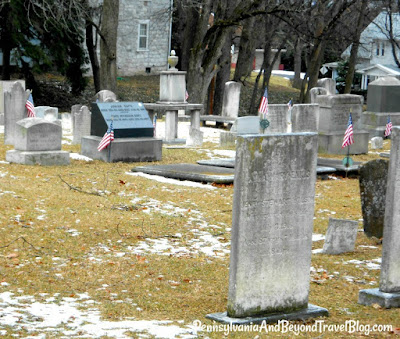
<point x="290" y="104"/>
<point x="388" y="129"/>
<point x="264" y="103"/>
<point x="30" y="107"/>
<point x="107" y="138"/>
<point x="186" y="95"/>
<point x="348" y="135"/>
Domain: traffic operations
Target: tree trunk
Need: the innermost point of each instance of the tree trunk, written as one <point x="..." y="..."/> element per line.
<point x="354" y="49"/>
<point x="223" y="76"/>
<point x="94" y="61"/>
<point x="247" y="46"/>
<point x="108" y="45"/>
<point x="297" y="63"/>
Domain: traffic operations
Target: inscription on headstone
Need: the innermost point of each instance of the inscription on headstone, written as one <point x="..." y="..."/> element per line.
<point x="373" y="182"/>
<point x="130" y="119"/>
<point x="340" y="237"/>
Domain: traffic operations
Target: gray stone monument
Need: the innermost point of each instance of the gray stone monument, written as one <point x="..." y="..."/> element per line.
<point x="273" y="209"/>
<point x="230" y="104"/>
<point x="388" y="294"/>
<point x="334" y="111"/>
<point x="340" y="237"/>
<point x="329" y="84"/>
<point x="14" y="110"/>
<point x="383" y="99"/>
<point x="373" y="183"/>
<point x="5" y="85"/>
<point x="315" y="91"/>
<point x="38" y="142"/>
<point x="242" y="125"/>
<point x="305" y="118"/>
<point x="81" y="123"/>
<point x="51" y="114"/>
<point x="39" y="111"/>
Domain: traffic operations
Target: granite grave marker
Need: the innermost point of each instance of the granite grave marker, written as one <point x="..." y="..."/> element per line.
<point x="340" y="237"/>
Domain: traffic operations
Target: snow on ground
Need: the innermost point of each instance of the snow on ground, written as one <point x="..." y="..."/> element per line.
<point x="78" y="317"/>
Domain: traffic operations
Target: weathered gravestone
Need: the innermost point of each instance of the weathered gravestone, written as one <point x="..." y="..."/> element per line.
<point x="383" y="100"/>
<point x="133" y="132"/>
<point x="38" y="142"/>
<point x="340" y="237"/>
<point x="329" y="84"/>
<point x="14" y="110"/>
<point x="51" y="113"/>
<point x="5" y="85"/>
<point x="334" y="111"/>
<point x="81" y="123"/>
<point x="273" y="209"/>
<point x="373" y="183"/>
<point x="230" y="104"/>
<point x="388" y="294"/>
<point x="242" y="125"/>
<point x="376" y="143"/>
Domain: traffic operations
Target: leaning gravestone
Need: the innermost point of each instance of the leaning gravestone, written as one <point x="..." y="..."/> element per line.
<point x="373" y="182"/>
<point x="38" y="142"/>
<point x="388" y="294"/>
<point x="273" y="209"/>
<point x="133" y="133"/>
<point x="14" y="110"/>
<point x="340" y="237"/>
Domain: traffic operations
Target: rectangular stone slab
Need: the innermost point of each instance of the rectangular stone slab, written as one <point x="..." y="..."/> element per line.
<point x="130" y="119"/>
<point x="191" y="172"/>
<point x="272" y="222"/>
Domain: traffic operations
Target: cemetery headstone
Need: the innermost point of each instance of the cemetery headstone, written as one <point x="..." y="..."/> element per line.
<point x="51" y="113"/>
<point x="5" y="85"/>
<point x="314" y="92"/>
<point x="133" y="133"/>
<point x="242" y="125"/>
<point x="81" y="123"/>
<point x="388" y="294"/>
<point x="14" y="110"/>
<point x="38" y="141"/>
<point x="39" y="111"/>
<point x="376" y="143"/>
<point x="334" y="111"/>
<point x="305" y="118"/>
<point x="340" y="237"/>
<point x="231" y="99"/>
<point x="273" y="209"/>
<point x="373" y="181"/>
<point x="329" y="84"/>
<point x="105" y="96"/>
<point x="382" y="100"/>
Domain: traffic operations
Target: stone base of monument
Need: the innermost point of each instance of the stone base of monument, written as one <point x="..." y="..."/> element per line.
<point x="123" y="149"/>
<point x="312" y="311"/>
<point x="375" y="123"/>
<point x="44" y="158"/>
<point x="331" y="143"/>
<point x="375" y="296"/>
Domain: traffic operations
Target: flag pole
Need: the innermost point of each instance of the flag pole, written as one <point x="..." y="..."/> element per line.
<point x="109" y="146"/>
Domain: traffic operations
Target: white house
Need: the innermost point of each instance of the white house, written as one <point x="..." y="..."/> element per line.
<point x="375" y="56"/>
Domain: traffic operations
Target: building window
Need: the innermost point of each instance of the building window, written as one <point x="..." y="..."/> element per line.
<point x="380" y="48"/>
<point x="143" y="37"/>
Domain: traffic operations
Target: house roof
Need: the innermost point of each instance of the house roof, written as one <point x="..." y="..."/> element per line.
<point x="380" y="70"/>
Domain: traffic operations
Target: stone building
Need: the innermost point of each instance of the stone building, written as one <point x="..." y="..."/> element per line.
<point x="144" y="35"/>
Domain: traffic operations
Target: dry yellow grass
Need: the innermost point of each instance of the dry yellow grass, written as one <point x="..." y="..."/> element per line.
<point x="64" y="240"/>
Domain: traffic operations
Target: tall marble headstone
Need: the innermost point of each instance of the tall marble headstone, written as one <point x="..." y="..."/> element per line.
<point x="230" y="104"/>
<point x="273" y="209"/>
<point x="388" y="294"/>
<point x="14" y="110"/>
<point x="81" y="123"/>
<point x="373" y="183"/>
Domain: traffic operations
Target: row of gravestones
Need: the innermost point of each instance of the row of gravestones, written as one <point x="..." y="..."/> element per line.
<point x="272" y="224"/>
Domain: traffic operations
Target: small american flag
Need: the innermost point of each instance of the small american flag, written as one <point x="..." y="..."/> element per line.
<point x="30" y="107"/>
<point x="388" y="129"/>
<point x="348" y="135"/>
<point x="290" y="104"/>
<point x="107" y="138"/>
<point x="186" y="95"/>
<point x="264" y="103"/>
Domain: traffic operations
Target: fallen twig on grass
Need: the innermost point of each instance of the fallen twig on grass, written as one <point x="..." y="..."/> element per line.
<point x="25" y="241"/>
<point x="71" y="187"/>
